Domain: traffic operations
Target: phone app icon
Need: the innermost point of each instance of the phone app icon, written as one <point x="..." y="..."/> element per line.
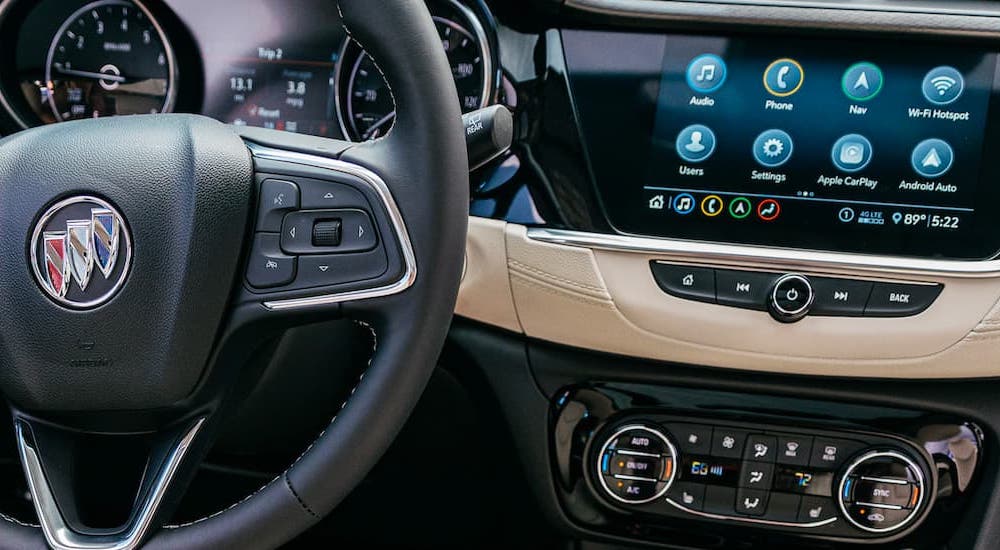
<point x="852" y="153"/>
<point x="706" y="73"/>
<point x="712" y="205"/>
<point x="783" y="77"/>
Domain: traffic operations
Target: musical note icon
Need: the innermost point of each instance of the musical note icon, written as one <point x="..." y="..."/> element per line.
<point x="707" y="73"/>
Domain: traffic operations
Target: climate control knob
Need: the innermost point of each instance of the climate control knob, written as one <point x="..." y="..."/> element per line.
<point x="882" y="491"/>
<point x="636" y="464"/>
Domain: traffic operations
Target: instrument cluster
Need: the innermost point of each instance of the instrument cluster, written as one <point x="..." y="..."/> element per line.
<point x="289" y="66"/>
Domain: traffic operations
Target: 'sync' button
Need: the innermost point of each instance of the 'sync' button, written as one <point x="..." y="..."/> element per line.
<point x="692" y="283"/>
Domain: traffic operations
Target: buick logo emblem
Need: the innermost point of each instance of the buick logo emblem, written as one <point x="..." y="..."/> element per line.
<point x="80" y="252"/>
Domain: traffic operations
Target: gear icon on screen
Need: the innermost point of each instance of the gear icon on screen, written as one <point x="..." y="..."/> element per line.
<point x="773" y="147"/>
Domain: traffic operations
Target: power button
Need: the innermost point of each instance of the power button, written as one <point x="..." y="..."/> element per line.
<point x="791" y="298"/>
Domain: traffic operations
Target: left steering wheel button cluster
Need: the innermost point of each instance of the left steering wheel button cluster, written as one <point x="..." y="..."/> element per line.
<point x="313" y="233"/>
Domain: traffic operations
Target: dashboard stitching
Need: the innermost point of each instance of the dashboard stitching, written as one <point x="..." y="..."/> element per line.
<point x="283" y="475"/>
<point x="566" y="293"/>
<point x="350" y="36"/>
<point x="302" y="503"/>
<point x="534" y="270"/>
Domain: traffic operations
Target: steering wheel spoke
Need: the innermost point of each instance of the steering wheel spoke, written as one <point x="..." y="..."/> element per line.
<point x="105" y="492"/>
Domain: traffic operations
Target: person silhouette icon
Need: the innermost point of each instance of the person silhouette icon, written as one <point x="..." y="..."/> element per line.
<point x="695" y="145"/>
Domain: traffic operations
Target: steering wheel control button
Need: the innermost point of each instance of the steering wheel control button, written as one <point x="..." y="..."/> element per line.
<point x="328" y="195"/>
<point x="636" y="464"/>
<point x="696" y="143"/>
<point x="840" y="297"/>
<point x="356" y="234"/>
<point x="706" y="73"/>
<point x="689" y="283"/>
<point x="326" y="233"/>
<point x="772" y="148"/>
<point x="862" y="81"/>
<point x="277" y="198"/>
<point x="943" y="85"/>
<point x="881" y="491"/>
<point x="932" y="158"/>
<point x="783" y="77"/>
<point x="744" y="289"/>
<point x="316" y="270"/>
<point x="900" y="300"/>
<point x="268" y="266"/>
<point x="791" y="298"/>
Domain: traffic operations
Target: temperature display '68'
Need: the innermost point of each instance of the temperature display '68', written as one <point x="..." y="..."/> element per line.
<point x="109" y="58"/>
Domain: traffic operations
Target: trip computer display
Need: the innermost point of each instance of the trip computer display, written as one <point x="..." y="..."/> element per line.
<point x="854" y="145"/>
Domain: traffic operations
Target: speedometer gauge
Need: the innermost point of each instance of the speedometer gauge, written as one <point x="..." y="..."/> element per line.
<point x="109" y="58"/>
<point x="367" y="108"/>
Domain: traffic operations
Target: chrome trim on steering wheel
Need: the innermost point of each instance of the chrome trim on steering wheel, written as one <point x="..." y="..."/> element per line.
<point x="59" y="535"/>
<point x="378" y="185"/>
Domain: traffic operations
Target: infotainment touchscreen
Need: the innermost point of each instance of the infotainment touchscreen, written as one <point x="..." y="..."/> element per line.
<point x="851" y="144"/>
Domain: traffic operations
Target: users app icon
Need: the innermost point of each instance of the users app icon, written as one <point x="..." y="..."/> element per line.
<point x="932" y="157"/>
<point x="706" y="73"/>
<point x="783" y="77"/>
<point x="772" y="148"/>
<point x="943" y="85"/>
<point x="695" y="143"/>
<point x="862" y="81"/>
<point x="852" y="152"/>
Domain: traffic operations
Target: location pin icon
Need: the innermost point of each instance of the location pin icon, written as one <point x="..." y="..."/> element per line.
<point x="896" y="217"/>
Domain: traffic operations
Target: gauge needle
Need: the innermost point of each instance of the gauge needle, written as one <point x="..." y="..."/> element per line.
<point x="381" y="122"/>
<point x="87" y="74"/>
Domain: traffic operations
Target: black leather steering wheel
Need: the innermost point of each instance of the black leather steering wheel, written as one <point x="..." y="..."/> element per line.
<point x="146" y="259"/>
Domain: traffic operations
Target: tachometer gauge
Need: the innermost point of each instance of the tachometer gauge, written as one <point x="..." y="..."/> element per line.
<point x="109" y="58"/>
<point x="367" y="107"/>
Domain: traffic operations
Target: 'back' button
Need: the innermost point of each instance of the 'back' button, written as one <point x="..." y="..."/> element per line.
<point x="900" y="300"/>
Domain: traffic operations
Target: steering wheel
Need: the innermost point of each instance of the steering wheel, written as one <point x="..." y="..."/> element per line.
<point x="148" y="257"/>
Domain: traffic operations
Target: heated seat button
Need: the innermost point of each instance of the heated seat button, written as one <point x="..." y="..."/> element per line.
<point x="745" y="289"/>
<point x="689" y="495"/>
<point x="840" y="297"/>
<point x="900" y="300"/>
<point x="690" y="283"/>
<point x="268" y="266"/>
<point x="277" y="198"/>
<point x="815" y="509"/>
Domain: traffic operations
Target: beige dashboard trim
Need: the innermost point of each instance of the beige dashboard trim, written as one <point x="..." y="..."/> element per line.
<point x="605" y="300"/>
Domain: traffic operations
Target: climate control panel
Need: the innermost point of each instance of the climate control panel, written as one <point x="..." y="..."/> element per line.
<point x="839" y="484"/>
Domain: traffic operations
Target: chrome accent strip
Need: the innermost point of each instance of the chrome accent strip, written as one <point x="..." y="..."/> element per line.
<point x="655" y="9"/>
<point x="670" y="454"/>
<point x="736" y="254"/>
<point x="879" y="506"/>
<point x="750" y="520"/>
<point x="377" y="184"/>
<point x="636" y="453"/>
<point x="916" y="511"/>
<point x="60" y="536"/>
<point x="635" y="478"/>
<point x="886" y="480"/>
